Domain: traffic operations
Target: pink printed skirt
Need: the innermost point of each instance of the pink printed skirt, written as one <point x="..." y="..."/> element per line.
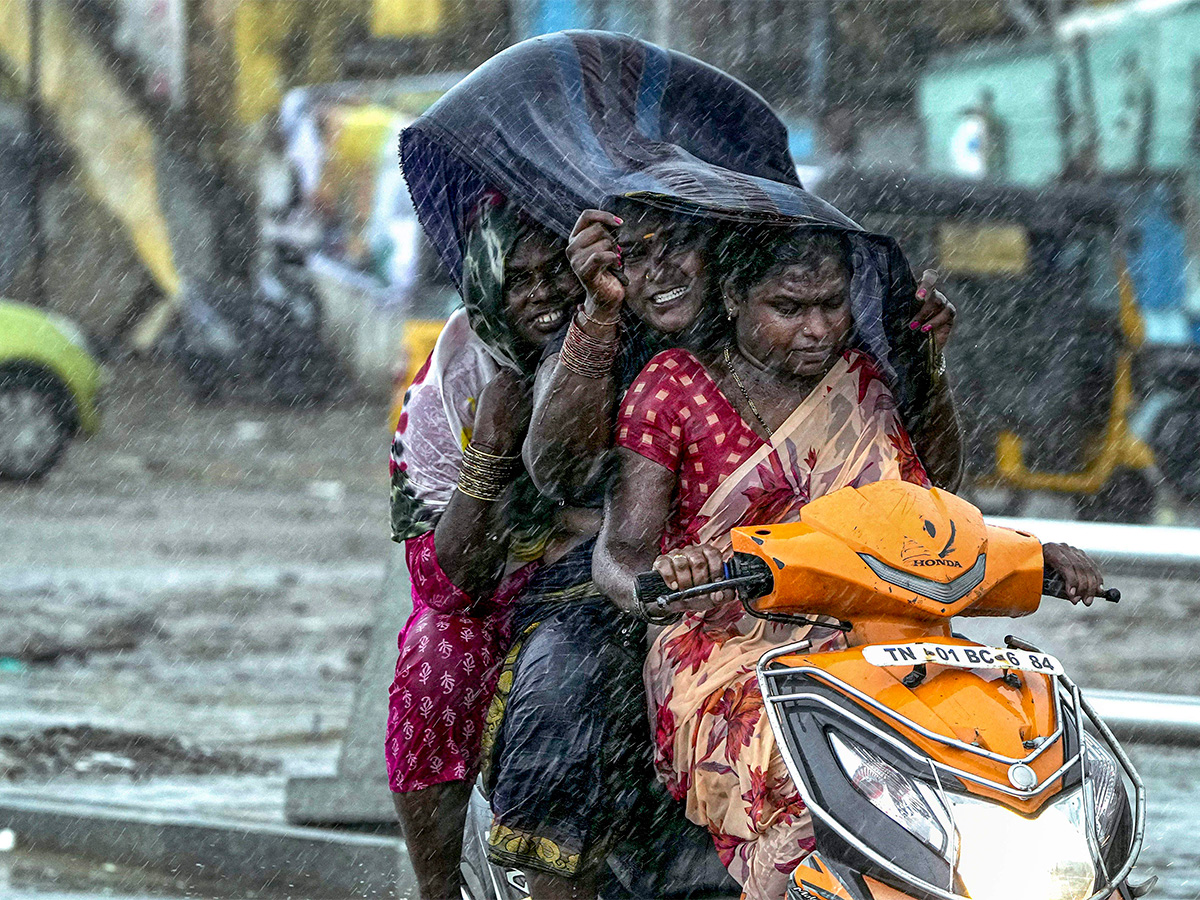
<point x="451" y="652"/>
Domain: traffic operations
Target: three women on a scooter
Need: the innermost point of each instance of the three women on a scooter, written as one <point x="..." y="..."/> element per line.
<point x="438" y="796"/>
<point x="565" y="739"/>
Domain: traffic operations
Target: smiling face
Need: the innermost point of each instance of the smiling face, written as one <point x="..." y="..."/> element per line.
<point x="795" y="321"/>
<point x="664" y="262"/>
<point x="540" y="290"/>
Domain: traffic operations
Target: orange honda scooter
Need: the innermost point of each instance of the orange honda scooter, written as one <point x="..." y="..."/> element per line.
<point x="934" y="766"/>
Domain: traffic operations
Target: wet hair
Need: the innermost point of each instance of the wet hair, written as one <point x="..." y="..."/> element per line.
<point x="750" y="255"/>
<point x="702" y="230"/>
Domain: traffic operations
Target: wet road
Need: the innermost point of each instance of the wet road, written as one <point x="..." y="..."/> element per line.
<point x="1172" y="850"/>
<point x="1171" y="776"/>
<point x="202" y="558"/>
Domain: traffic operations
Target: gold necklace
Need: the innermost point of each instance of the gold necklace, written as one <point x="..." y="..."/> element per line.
<point x="745" y="393"/>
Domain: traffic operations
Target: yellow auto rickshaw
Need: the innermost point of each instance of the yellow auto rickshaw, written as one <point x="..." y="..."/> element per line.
<point x="1048" y="326"/>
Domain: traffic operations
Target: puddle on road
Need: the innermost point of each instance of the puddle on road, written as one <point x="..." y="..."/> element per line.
<point x="28" y="875"/>
<point x="47" y="876"/>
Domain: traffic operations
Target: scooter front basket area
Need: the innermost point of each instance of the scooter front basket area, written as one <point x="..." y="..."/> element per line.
<point x="790" y="688"/>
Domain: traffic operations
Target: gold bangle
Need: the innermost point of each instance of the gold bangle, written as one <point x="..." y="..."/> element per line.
<point x="595" y="321"/>
<point x="479" y="451"/>
<point x="486" y="476"/>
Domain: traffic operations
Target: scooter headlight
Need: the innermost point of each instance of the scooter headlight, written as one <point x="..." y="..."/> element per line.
<point x="1106" y="787"/>
<point x="1055" y="859"/>
<point x="909" y="803"/>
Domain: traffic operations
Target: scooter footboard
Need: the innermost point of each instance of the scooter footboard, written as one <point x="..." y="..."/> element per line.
<point x="483" y="879"/>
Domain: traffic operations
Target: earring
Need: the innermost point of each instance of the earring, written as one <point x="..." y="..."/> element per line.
<point x="730" y="314"/>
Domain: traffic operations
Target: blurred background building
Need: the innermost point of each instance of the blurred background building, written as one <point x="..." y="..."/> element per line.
<point x="156" y="131"/>
<point x="163" y="107"/>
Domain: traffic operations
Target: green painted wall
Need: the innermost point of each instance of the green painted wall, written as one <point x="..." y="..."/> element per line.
<point x="1023" y="86"/>
<point x="1155" y="51"/>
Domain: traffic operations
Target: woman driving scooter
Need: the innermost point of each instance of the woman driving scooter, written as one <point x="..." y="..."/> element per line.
<point x="790" y="408"/>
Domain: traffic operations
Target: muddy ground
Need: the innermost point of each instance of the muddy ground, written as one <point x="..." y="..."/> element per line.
<point x="207" y="572"/>
<point x="211" y="573"/>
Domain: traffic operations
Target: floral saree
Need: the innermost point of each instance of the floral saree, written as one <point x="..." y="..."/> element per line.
<point x="713" y="745"/>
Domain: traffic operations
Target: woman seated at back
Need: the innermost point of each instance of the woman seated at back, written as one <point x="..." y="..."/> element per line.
<point x="474" y="531"/>
<point x="786" y="410"/>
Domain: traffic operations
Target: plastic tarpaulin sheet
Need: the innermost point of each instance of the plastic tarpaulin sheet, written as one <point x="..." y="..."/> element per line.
<point x="566" y="121"/>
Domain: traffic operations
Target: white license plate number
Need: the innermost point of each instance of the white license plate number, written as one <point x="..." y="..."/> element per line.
<point x="961" y="656"/>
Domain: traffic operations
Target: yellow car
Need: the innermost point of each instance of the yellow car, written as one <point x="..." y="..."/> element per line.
<point x="49" y="389"/>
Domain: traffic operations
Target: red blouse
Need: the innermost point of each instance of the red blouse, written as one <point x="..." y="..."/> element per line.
<point x="674" y="414"/>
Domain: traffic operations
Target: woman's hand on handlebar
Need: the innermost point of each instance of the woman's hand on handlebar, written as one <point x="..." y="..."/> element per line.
<point x="689" y="566"/>
<point x="1080" y="574"/>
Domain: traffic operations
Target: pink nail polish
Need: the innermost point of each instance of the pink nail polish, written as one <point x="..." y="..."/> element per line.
<point x="914" y="325"/>
<point x="619" y="221"/>
<point x="927" y="328"/>
<point x="921" y="292"/>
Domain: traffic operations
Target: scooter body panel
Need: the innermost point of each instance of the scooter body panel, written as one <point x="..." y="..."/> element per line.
<point x="934" y="767"/>
<point x="953" y="713"/>
<point x="897" y="554"/>
<point x="814" y="880"/>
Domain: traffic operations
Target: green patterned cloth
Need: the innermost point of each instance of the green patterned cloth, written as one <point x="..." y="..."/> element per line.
<point x="439" y="407"/>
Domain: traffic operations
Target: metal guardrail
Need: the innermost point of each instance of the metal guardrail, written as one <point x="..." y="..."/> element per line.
<point x="1146" y="549"/>
<point x="1156" y="550"/>
<point x="1149" y="718"/>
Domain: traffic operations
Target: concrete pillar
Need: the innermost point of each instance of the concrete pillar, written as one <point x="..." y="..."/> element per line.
<point x="358" y="794"/>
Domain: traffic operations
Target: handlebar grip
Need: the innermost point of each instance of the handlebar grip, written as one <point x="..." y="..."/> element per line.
<point x="1052" y="586"/>
<point x="649" y="586"/>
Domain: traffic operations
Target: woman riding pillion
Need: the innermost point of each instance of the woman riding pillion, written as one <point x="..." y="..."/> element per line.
<point x="473" y="535"/>
<point x="665" y="298"/>
<point x="569" y="758"/>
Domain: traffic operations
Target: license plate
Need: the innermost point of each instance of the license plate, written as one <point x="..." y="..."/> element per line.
<point x="961" y="656"/>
